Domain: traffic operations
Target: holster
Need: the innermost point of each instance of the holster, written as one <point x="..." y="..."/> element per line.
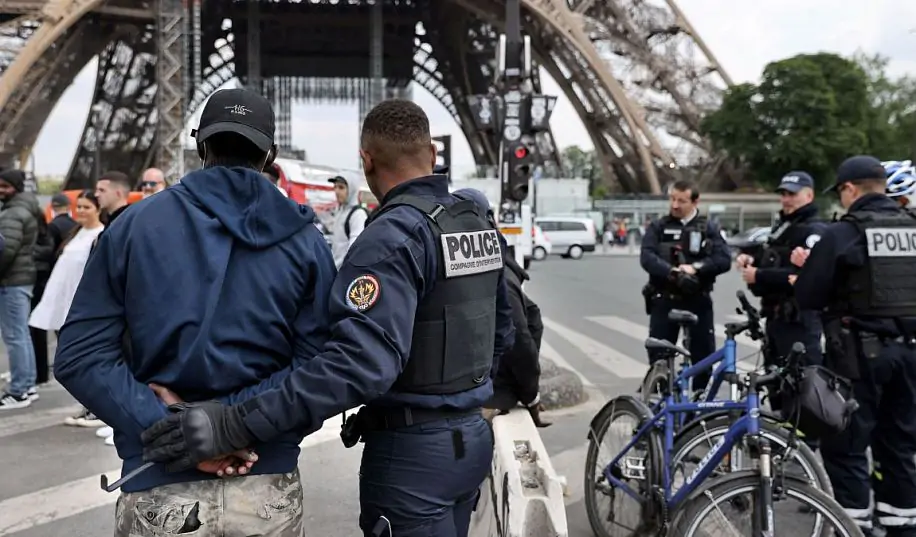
<point x="353" y="428"/>
<point x="649" y="292"/>
<point x="842" y="349"/>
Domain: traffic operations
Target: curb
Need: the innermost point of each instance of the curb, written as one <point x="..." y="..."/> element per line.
<point x="560" y="387"/>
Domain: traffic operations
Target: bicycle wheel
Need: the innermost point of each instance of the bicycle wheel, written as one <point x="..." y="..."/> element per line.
<point x="705" y="433"/>
<point x="611" y="511"/>
<point x="721" y="499"/>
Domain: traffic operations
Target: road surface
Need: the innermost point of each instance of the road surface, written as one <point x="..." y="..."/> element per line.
<point x="595" y="325"/>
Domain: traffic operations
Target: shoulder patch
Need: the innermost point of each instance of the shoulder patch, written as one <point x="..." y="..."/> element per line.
<point x="363" y="293"/>
<point x="471" y="252"/>
<point x="812" y="240"/>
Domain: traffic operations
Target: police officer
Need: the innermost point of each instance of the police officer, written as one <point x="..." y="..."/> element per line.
<point x="418" y="313"/>
<point x="860" y="272"/>
<point x="683" y="254"/>
<point x="767" y="271"/>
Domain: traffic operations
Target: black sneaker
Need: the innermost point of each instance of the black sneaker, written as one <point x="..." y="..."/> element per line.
<point x="9" y="401"/>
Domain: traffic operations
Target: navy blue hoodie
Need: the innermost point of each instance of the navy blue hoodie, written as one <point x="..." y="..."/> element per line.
<point x="222" y="284"/>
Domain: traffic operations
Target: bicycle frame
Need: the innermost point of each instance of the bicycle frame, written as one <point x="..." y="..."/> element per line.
<point x="727" y="359"/>
<point x="746" y="425"/>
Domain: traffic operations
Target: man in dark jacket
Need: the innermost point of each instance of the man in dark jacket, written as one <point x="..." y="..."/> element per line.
<point x="224" y="284"/>
<point x="60" y="227"/>
<point x="19" y="226"/>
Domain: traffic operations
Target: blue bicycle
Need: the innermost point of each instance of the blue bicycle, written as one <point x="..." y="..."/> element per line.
<point x="642" y="471"/>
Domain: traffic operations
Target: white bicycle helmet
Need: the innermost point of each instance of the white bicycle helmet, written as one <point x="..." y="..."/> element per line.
<point x="901" y="178"/>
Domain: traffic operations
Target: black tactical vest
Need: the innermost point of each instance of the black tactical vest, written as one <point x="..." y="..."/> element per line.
<point x="884" y="287"/>
<point x="455" y="325"/>
<point x="683" y="244"/>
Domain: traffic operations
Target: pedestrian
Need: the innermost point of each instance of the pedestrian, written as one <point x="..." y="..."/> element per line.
<point x="767" y="272"/>
<point x="861" y="274"/>
<point x="518" y="377"/>
<point x="223" y="283"/>
<point x="47" y="246"/>
<point x="152" y="182"/>
<point x="349" y="218"/>
<point x="683" y="254"/>
<point x="419" y="313"/>
<point x="19" y="227"/>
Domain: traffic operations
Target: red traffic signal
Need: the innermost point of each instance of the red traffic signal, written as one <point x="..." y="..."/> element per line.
<point x="521" y="152"/>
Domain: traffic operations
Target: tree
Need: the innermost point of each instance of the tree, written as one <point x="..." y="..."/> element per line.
<point x="808" y="113"/>
<point x="579" y="163"/>
<point x="892" y="122"/>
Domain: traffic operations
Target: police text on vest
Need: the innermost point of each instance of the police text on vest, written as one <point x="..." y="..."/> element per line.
<point x="891" y="242"/>
<point x="471" y="252"/>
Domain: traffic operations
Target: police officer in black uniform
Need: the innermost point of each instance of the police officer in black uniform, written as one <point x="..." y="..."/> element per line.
<point x="683" y="254"/>
<point x="767" y="271"/>
<point x="861" y="273"/>
<point x="419" y="313"/>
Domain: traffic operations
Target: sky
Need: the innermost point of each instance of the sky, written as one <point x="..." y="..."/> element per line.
<point x="744" y="35"/>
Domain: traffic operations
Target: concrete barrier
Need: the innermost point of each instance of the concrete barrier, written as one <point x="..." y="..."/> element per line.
<point x="559" y="387"/>
<point x="522" y="496"/>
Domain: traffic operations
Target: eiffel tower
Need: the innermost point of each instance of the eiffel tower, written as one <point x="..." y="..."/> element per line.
<point x="635" y="71"/>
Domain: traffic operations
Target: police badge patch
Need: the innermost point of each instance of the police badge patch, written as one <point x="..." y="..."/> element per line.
<point x="812" y="240"/>
<point x="363" y="293"/>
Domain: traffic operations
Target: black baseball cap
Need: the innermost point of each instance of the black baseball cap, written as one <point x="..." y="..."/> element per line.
<point x="858" y="168"/>
<point x="60" y="200"/>
<point x="338" y="179"/>
<point x="795" y="181"/>
<point x="242" y="112"/>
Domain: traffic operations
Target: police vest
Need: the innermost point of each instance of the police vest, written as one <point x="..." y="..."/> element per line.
<point x="455" y="324"/>
<point x="683" y="245"/>
<point x="884" y="286"/>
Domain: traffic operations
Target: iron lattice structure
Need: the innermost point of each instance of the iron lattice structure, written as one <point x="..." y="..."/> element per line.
<point x="636" y="72"/>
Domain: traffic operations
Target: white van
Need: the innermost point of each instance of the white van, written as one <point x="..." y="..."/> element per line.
<point x="569" y="236"/>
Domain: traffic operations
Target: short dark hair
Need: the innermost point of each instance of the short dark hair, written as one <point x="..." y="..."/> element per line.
<point x="395" y="130"/>
<point x="683" y="185"/>
<point x="233" y="150"/>
<point x="871" y="185"/>
<point x="89" y="194"/>
<point x="119" y="179"/>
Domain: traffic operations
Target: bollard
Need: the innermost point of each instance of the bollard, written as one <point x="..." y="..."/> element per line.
<point x="522" y="496"/>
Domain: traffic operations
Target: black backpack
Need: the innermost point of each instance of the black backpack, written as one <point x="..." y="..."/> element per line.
<point x="349" y="214"/>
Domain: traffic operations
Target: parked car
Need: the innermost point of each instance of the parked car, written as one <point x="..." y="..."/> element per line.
<point x="569" y="236"/>
<point x="748" y="241"/>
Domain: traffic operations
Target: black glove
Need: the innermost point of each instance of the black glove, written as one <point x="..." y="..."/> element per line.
<point x="535" y="412"/>
<point x="194" y="433"/>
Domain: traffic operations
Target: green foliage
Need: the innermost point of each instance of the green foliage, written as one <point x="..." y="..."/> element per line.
<point x="811" y="111"/>
<point x="579" y="163"/>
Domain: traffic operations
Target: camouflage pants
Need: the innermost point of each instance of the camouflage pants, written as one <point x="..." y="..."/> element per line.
<point x="262" y="505"/>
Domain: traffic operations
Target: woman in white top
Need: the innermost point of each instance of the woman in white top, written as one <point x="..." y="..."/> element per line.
<point x="52" y="310"/>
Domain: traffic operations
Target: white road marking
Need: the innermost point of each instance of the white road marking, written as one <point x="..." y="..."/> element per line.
<point x="640" y="332"/>
<point x="547" y="351"/>
<point x="616" y="363"/>
<point x="78" y="496"/>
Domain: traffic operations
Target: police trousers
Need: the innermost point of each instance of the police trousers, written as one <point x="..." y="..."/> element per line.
<point x="886" y="422"/>
<point x="424" y="480"/>
<point x="702" y="334"/>
<point x="264" y="505"/>
<point x="782" y="334"/>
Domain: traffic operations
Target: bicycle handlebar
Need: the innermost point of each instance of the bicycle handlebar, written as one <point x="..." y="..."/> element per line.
<point x="798" y="350"/>
<point x="753" y="317"/>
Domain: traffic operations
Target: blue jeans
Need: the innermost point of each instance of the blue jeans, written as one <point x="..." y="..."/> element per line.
<point x="15" y="307"/>
<point x="424" y="479"/>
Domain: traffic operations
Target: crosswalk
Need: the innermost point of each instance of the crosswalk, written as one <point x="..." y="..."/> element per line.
<point x="53" y="488"/>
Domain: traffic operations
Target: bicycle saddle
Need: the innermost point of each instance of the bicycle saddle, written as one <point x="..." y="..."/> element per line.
<point x="662" y="344"/>
<point x="682" y="317"/>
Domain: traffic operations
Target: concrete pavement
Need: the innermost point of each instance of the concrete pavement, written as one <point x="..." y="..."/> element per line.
<point x="594" y="325"/>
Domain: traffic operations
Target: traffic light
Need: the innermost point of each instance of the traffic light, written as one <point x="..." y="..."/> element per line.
<point x="521" y="165"/>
